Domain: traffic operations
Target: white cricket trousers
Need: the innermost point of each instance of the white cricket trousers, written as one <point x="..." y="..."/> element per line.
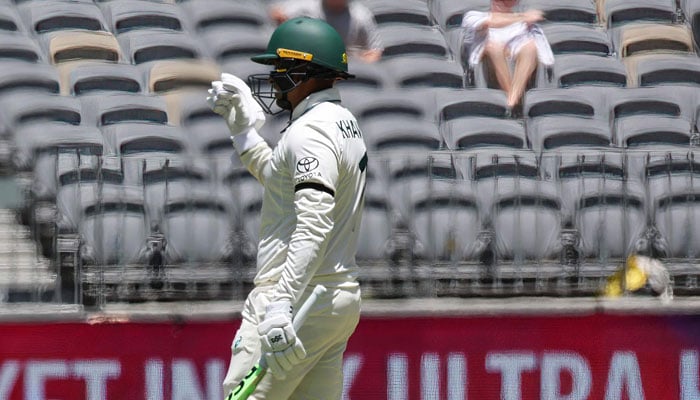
<point x="324" y="334"/>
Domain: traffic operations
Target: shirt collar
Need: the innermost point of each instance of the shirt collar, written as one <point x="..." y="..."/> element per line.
<point x="314" y="99"/>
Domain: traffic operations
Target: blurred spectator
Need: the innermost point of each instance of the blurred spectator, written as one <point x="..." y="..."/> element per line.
<point x="506" y="36"/>
<point x="352" y="20"/>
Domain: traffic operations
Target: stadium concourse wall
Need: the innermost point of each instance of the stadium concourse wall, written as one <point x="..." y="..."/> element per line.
<point x="446" y="349"/>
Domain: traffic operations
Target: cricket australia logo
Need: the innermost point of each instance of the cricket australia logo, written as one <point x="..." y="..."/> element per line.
<point x="307" y="164"/>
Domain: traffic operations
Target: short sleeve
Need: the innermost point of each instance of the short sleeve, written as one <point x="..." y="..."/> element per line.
<point x="312" y="160"/>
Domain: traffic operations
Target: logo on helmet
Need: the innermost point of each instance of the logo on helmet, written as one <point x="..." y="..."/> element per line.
<point x="345" y="58"/>
<point x="297" y="55"/>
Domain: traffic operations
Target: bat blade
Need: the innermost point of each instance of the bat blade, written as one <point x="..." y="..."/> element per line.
<point x="246" y="387"/>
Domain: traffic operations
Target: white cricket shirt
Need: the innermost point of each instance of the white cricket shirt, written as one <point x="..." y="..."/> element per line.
<point x="314" y="183"/>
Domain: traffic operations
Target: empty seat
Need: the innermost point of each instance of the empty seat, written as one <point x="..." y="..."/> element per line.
<point x="407" y="104"/>
<point x="652" y="130"/>
<point x="449" y="13"/>
<point x="373" y="76"/>
<point x="188" y="107"/>
<point x="125" y="15"/>
<point x="406" y="12"/>
<point x="87" y="77"/>
<point x="115" y="108"/>
<point x="376" y="226"/>
<point x="229" y="43"/>
<point x="559" y="132"/>
<point x="610" y="221"/>
<point x="207" y="14"/>
<point x="469" y="133"/>
<point x="18" y="47"/>
<point x="666" y="69"/>
<point x="401" y="135"/>
<point x="247" y="193"/>
<point x="585" y="69"/>
<point x="675" y="102"/>
<point x="144" y="45"/>
<point x="138" y="139"/>
<point x="445" y="219"/>
<point x="692" y="13"/>
<point x="580" y="101"/>
<point x="640" y="38"/>
<point x="568" y="38"/>
<point x="425" y="72"/>
<point x="10" y="20"/>
<point x="114" y="229"/>
<point x="412" y="40"/>
<point x="72" y="45"/>
<point x="616" y="12"/>
<point x="570" y="11"/>
<point x="211" y="137"/>
<point x="165" y="75"/>
<point x="453" y="104"/>
<point x="24" y="76"/>
<point x="45" y="16"/>
<point x="26" y="107"/>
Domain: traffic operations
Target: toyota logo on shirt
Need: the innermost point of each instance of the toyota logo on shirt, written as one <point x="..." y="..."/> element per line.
<point x="307" y="164"/>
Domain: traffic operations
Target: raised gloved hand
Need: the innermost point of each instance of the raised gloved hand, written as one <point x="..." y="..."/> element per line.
<point x="281" y="347"/>
<point x="232" y="99"/>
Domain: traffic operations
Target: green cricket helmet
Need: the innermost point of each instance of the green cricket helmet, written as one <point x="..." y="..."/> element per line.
<point x="300" y="48"/>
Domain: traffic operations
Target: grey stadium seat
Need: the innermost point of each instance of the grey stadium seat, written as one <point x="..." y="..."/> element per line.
<point x="115" y="108"/>
<point x="580" y="101"/>
<point x="585" y="69"/>
<point x="80" y="78"/>
<point x="27" y="107"/>
<point x="146" y="45"/>
<point x="144" y="139"/>
<point x="610" y="221"/>
<point x="445" y="219"/>
<point x="453" y="104"/>
<point x="617" y="12"/>
<point x="247" y="193"/>
<point x="652" y="130"/>
<point x="233" y="43"/>
<point x="114" y="228"/>
<point x="449" y="13"/>
<point x="401" y="135"/>
<point x="10" y="20"/>
<point x="417" y="72"/>
<point x="188" y="107"/>
<point x="470" y="133"/>
<point x="656" y="69"/>
<point x="376" y="226"/>
<point x="211" y="137"/>
<point x="406" y="12"/>
<point x="568" y="11"/>
<point x="692" y="13"/>
<point x="407" y="104"/>
<point x="372" y="76"/>
<point x="125" y="15"/>
<point x="673" y="102"/>
<point x="564" y="132"/>
<point x="412" y="40"/>
<point x="28" y="76"/>
<point x="44" y="16"/>
<point x="18" y="47"/>
<point x="568" y="38"/>
<point x="207" y="14"/>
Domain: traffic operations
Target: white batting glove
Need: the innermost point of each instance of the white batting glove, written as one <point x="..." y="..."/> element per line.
<point x="280" y="345"/>
<point x="232" y="99"/>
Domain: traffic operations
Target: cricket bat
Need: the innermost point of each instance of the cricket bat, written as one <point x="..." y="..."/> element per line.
<point x="246" y="387"/>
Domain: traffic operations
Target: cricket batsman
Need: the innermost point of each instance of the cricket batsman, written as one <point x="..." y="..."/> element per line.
<point x="314" y="182"/>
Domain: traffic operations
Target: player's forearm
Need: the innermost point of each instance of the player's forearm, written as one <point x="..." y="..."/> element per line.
<point x="255" y="156"/>
<point x="499" y="20"/>
<point x="307" y="246"/>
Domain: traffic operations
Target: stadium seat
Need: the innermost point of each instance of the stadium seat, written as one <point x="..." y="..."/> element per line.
<point x="640" y="131"/>
<point x="584" y="39"/>
<point x="374" y="75"/>
<point x="408" y="104"/>
<point x="248" y="194"/>
<point x="166" y="75"/>
<point x="617" y="12"/>
<point x="18" y="47"/>
<point x="89" y="77"/>
<point x="27" y="107"/>
<point x="585" y="69"/>
<point x="416" y="72"/>
<point x="445" y="219"/>
<point x="396" y="134"/>
<point x="207" y="14"/>
<point x="235" y="43"/>
<point x="453" y="104"/>
<point x="449" y="13"/>
<point x="560" y="132"/>
<point x="406" y="12"/>
<point x="114" y="229"/>
<point x="580" y="101"/>
<point x="144" y="45"/>
<point x="48" y="16"/>
<point x="28" y="76"/>
<point x="10" y="21"/>
<point x="568" y="11"/>
<point x="412" y="40"/>
<point x="188" y="107"/>
<point x="139" y="139"/>
<point x="116" y="108"/>
<point x="80" y="181"/>
<point x="64" y="46"/>
<point x="376" y="225"/>
<point x="691" y="10"/>
<point x="470" y="133"/>
<point x="640" y="38"/>
<point x="610" y="221"/>
<point x="125" y="15"/>
<point x="673" y="197"/>
<point x="673" y="102"/>
<point x="663" y="69"/>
